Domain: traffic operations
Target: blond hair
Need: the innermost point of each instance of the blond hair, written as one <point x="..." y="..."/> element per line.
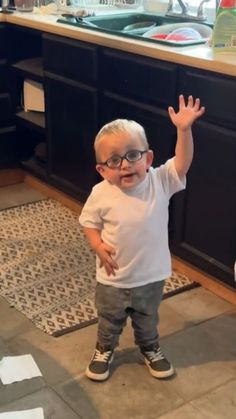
<point x="116" y="127"/>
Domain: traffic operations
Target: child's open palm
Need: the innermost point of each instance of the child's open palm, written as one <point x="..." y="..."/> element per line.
<point x="187" y="114"/>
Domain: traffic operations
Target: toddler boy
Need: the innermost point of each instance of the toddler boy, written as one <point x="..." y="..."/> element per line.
<point x="125" y="220"/>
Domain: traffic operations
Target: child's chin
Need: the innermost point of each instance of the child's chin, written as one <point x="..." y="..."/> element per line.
<point x="128" y="182"/>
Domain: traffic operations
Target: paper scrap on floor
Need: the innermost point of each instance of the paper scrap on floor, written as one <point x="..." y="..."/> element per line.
<point x="24" y="414"/>
<point x="18" y="368"/>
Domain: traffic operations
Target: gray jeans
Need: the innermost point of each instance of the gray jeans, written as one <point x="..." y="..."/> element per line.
<point x="141" y="304"/>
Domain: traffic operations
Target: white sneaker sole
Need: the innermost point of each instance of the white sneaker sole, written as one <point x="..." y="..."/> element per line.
<point x="160" y="374"/>
<point x="98" y="377"/>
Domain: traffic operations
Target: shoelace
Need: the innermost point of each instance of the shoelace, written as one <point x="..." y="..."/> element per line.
<point x="155" y="356"/>
<point x="101" y="356"/>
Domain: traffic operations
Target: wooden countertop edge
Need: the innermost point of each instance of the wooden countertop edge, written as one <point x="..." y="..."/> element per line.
<point x="199" y="56"/>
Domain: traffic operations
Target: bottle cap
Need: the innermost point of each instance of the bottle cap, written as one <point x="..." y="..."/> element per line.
<point x="227" y="4"/>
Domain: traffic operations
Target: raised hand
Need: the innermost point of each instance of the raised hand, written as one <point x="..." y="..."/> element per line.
<point x="187" y="113"/>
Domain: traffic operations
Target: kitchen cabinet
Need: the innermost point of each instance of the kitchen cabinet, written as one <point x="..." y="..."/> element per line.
<point x="8" y="155"/>
<point x="72" y="113"/>
<point x="25" y="58"/>
<point x="99" y="86"/>
<point x="88" y="85"/>
<point x="206" y="233"/>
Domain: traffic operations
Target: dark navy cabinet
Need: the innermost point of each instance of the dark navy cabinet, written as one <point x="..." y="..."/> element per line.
<point x="206" y="232"/>
<point x="88" y="85"/>
<point x="71" y="113"/>
<point x="8" y="154"/>
<point x="25" y="63"/>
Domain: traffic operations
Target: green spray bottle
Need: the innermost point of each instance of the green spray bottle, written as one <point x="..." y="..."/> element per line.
<point x="224" y="31"/>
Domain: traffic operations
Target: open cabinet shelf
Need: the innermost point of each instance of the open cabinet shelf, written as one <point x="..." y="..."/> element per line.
<point x="32" y="120"/>
<point x="31" y="67"/>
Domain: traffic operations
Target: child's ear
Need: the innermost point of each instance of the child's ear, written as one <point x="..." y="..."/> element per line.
<point x="101" y="170"/>
<point x="149" y="158"/>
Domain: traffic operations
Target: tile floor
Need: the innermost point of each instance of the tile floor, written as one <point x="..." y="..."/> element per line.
<point x="198" y="333"/>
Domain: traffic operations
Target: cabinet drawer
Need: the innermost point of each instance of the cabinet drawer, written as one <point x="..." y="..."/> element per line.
<point x="69" y="58"/>
<point x="217" y="94"/>
<point x="142" y="77"/>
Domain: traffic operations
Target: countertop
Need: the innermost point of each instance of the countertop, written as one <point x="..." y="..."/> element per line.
<point x="199" y="56"/>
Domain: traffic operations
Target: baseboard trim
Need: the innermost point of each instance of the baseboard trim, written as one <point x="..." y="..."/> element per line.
<point x="207" y="281"/>
<point x="53" y="193"/>
<point x="11" y="177"/>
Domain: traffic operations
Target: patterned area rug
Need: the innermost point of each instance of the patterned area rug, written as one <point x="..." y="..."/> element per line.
<point x="47" y="270"/>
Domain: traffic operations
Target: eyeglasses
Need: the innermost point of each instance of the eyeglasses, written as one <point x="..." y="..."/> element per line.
<point x="116" y="160"/>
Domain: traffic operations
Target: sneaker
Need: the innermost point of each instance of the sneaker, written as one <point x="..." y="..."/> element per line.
<point x="98" y="368"/>
<point x="159" y="366"/>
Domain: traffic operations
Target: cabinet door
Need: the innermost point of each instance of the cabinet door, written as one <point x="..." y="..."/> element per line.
<point x="3" y="45"/>
<point x="160" y="132"/>
<point x="6" y="107"/>
<point x="71" y="119"/>
<point x="8" y="148"/>
<point x="207" y="235"/>
<point x="8" y="144"/>
<point x="217" y="94"/>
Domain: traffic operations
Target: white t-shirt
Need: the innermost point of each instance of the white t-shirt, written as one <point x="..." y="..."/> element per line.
<point x="135" y="223"/>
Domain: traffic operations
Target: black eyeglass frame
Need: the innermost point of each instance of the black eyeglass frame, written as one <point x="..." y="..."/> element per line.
<point x="126" y="157"/>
